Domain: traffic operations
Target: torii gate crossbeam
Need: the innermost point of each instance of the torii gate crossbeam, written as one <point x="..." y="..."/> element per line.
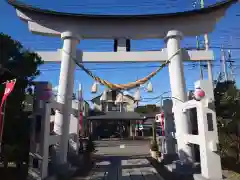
<point x="122" y="56"/>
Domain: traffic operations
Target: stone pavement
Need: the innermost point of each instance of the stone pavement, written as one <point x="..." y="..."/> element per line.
<point x="122" y="160"/>
<point x="123" y="168"/>
<point x="122" y="147"/>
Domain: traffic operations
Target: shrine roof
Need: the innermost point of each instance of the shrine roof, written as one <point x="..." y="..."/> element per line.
<point x="29" y="8"/>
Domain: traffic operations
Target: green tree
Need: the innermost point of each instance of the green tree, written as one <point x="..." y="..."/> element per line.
<point x="148" y="109"/>
<point x="21" y="64"/>
<point x="227" y="103"/>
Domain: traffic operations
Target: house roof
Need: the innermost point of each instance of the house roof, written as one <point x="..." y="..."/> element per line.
<point x="116" y="115"/>
<point x="26" y="7"/>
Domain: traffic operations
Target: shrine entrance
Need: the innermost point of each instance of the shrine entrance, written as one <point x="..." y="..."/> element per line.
<point x="111" y="129"/>
<point x="114" y="124"/>
<point x="72" y="28"/>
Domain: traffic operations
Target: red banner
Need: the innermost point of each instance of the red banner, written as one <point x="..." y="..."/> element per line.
<point x="8" y="89"/>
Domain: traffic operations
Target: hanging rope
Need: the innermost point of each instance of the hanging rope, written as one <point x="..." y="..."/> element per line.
<point x="129" y="85"/>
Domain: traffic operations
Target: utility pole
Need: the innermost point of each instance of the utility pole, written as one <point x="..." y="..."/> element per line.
<point x="206" y="43"/>
<point x="80" y="107"/>
<point x="224" y="64"/>
<point x="200" y="64"/>
<point x="230" y="64"/>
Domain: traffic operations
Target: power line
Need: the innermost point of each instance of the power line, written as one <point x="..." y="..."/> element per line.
<point x="128" y="68"/>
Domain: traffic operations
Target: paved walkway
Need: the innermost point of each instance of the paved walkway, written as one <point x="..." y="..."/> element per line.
<point x="123" y="168"/>
<point x="122" y="160"/>
<point x="122" y="147"/>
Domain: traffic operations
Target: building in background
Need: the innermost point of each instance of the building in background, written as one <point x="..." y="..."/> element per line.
<point x="113" y="117"/>
<point x="126" y="105"/>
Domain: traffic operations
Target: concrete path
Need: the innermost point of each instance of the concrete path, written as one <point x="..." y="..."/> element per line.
<point x="123" y="168"/>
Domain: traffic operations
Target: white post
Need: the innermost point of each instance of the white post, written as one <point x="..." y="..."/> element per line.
<point x="65" y="91"/>
<point x="179" y="94"/>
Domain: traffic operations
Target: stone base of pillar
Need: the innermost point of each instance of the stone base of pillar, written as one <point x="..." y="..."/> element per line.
<point x="183" y="168"/>
<point x="200" y="177"/>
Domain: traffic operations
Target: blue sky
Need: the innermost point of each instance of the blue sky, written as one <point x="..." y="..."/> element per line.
<point x="227" y="33"/>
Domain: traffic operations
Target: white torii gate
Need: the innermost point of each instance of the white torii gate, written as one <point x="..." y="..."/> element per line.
<point x="175" y="70"/>
<point x="74" y="27"/>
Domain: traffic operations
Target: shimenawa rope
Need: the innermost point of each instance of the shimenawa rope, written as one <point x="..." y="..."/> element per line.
<point x="129" y="85"/>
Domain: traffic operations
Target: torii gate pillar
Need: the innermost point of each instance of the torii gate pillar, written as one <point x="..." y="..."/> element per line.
<point x="179" y="93"/>
<point x="65" y="91"/>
